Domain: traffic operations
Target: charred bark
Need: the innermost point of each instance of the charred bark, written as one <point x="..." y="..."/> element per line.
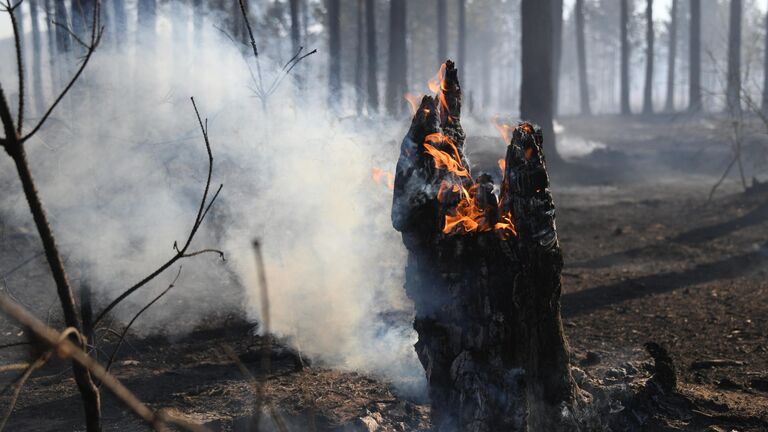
<point x="487" y="299"/>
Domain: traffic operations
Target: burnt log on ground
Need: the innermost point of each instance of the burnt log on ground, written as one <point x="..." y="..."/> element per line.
<point x="484" y="275"/>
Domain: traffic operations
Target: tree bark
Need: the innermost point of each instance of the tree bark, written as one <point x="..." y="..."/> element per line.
<point x="649" y="52"/>
<point x="582" y="58"/>
<point x="557" y="52"/>
<point x="733" y="91"/>
<point x="37" y="63"/>
<point x="694" y="52"/>
<point x="334" y="53"/>
<point x="397" y="66"/>
<point x="373" y="59"/>
<point x="536" y="87"/>
<point x="359" y="66"/>
<point x="624" y="24"/>
<point x="442" y="38"/>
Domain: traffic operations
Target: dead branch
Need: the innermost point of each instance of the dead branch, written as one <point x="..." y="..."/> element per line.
<point x="205" y="206"/>
<point x="138" y="314"/>
<point x="37" y="364"/>
<point x="13" y="142"/>
<point x="62" y="345"/>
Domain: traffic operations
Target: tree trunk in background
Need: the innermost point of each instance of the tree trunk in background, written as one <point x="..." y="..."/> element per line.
<point x="370" y="36"/>
<point x="334" y="53"/>
<point x="359" y="95"/>
<point x="765" y="68"/>
<point x="671" y="59"/>
<point x="305" y="19"/>
<point x="557" y="34"/>
<point x="121" y="22"/>
<point x="442" y="39"/>
<point x="462" y="49"/>
<point x="197" y="20"/>
<point x="536" y="83"/>
<point x="295" y="25"/>
<point x="581" y="51"/>
<point x="733" y="92"/>
<point x="37" y="62"/>
<point x="694" y="52"/>
<point x="146" y="20"/>
<point x="486" y="66"/>
<point x="81" y="12"/>
<point x="625" y="57"/>
<point x="649" y="39"/>
<point x="51" y="33"/>
<point x="397" y="67"/>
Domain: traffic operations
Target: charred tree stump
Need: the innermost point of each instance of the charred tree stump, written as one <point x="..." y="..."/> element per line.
<point x="486" y="287"/>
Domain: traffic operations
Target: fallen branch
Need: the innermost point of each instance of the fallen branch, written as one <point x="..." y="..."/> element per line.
<point x="64" y="348"/>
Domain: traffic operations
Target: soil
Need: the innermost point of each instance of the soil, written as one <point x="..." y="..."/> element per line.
<point x="649" y="258"/>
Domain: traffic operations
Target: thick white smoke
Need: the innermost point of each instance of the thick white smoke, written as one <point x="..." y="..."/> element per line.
<point x="121" y="168"/>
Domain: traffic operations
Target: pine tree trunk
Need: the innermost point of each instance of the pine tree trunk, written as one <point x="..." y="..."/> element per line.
<point x="295" y="25"/>
<point x="462" y="42"/>
<point x="397" y="67"/>
<point x="373" y="58"/>
<point x="733" y="91"/>
<point x="581" y="50"/>
<point x="37" y="62"/>
<point x="52" y="51"/>
<point x="536" y="87"/>
<point x="625" y="109"/>
<point x="121" y="22"/>
<point x="765" y="67"/>
<point x="671" y="58"/>
<point x="442" y="38"/>
<point x="359" y="66"/>
<point x="334" y="53"/>
<point x="63" y="43"/>
<point x="557" y="52"/>
<point x="649" y="52"/>
<point x="694" y="52"/>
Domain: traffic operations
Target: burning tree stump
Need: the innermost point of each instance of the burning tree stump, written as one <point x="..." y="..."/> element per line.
<point x="486" y="286"/>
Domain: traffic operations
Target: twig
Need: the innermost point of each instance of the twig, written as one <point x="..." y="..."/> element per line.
<point x="253" y="43"/>
<point x="138" y="314"/>
<point x="19" y="62"/>
<point x="202" y="211"/>
<point x="64" y="348"/>
<point x="37" y="364"/>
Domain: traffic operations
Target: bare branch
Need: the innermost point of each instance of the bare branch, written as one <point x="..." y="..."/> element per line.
<point x="202" y="211"/>
<point x="37" y="364"/>
<point x="138" y="314"/>
<point x="64" y="348"/>
<point x="253" y="43"/>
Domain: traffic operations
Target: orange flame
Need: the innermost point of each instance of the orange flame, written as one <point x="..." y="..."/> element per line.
<point x="504" y="129"/>
<point x="378" y="174"/>
<point x="413" y="101"/>
<point x="502" y="165"/>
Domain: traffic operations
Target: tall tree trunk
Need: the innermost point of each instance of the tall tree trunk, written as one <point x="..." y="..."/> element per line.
<point x="359" y="66"/>
<point x="462" y="49"/>
<point x="81" y="12"/>
<point x="536" y="87"/>
<point x="370" y="36"/>
<point x="147" y="19"/>
<point x="37" y="63"/>
<point x="334" y="53"/>
<point x="581" y="50"/>
<point x="63" y="43"/>
<point x="649" y="40"/>
<point x="557" y="52"/>
<point x="442" y="39"/>
<point x="765" y="68"/>
<point x="672" y="57"/>
<point x="121" y="22"/>
<point x="733" y="92"/>
<point x="295" y="25"/>
<point x="51" y="34"/>
<point x="397" y="67"/>
<point x="694" y="52"/>
<point x="625" y="57"/>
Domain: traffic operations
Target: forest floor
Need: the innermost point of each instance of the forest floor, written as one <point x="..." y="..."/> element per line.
<point x="648" y="259"/>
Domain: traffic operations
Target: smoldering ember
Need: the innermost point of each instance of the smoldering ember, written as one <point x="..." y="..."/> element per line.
<point x="384" y="215"/>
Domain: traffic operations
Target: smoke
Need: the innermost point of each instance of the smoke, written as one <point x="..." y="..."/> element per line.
<point x="121" y="169"/>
